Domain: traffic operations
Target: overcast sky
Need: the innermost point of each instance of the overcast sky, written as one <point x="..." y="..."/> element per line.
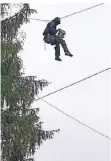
<point x="88" y="39"/>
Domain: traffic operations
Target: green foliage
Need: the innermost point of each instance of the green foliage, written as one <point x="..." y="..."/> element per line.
<point x="21" y="128"/>
<point x="10" y="26"/>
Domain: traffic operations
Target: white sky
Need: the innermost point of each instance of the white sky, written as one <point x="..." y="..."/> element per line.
<point x="88" y="39"/>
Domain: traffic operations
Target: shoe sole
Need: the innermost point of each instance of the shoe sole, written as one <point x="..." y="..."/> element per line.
<point x="58" y="60"/>
<point x="69" y="55"/>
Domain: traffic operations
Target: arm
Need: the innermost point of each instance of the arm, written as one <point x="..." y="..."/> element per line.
<point x="52" y="28"/>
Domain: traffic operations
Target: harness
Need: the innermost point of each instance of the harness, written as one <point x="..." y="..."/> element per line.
<point x="50" y="39"/>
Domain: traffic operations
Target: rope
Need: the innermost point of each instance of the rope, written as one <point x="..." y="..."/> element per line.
<point x="75" y="119"/>
<point x="39" y="19"/>
<point x="71" y="13"/>
<point x="82" y="10"/>
<point x="41" y="98"/>
<point x="44" y="46"/>
<point x="73" y="83"/>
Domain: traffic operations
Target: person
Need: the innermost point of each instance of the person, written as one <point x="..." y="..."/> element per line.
<point x="51" y="37"/>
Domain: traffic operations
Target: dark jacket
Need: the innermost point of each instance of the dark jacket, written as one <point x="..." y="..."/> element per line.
<point x="51" y="27"/>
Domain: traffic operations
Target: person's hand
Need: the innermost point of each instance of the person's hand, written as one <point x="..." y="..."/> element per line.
<point x="58" y="29"/>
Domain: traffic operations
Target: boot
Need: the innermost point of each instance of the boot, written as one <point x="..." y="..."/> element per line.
<point x="68" y="54"/>
<point x="58" y="59"/>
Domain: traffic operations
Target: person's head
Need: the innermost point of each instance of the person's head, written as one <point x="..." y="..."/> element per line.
<point x="57" y="20"/>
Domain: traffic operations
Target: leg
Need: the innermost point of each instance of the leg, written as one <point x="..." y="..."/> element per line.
<point x="57" y="51"/>
<point x="64" y="46"/>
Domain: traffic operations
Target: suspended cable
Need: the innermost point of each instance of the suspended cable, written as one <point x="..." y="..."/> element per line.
<point x="39" y="19"/>
<point x="73" y="84"/>
<point x="82" y="10"/>
<point x="75" y="119"/>
<point x="41" y="98"/>
<point x="70" y="14"/>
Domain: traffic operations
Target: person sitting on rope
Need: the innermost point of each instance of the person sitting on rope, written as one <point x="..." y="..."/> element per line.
<point x="55" y="37"/>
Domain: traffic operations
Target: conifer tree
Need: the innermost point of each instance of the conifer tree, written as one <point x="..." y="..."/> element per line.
<point x="21" y="128"/>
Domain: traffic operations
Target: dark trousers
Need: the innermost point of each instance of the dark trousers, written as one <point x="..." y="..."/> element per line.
<point x="59" y="41"/>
